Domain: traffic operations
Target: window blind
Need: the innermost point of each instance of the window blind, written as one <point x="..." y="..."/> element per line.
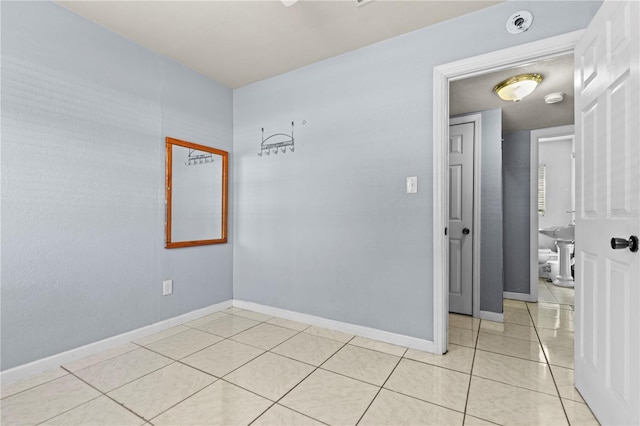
<point x="541" y="189"/>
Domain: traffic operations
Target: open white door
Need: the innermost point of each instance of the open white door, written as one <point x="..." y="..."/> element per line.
<point x="607" y="338"/>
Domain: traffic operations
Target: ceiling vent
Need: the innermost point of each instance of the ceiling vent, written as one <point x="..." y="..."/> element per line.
<point x="519" y="22"/>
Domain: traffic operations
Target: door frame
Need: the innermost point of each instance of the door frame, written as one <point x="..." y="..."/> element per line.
<point x="549" y="134"/>
<point x="476" y="119"/>
<point x="442" y="75"/>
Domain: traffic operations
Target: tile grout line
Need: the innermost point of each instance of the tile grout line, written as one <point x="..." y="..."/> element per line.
<point x="316" y="368"/>
<point x="138" y="378"/>
<point x="381" y="387"/>
<point x="319" y="367"/>
<point x="102" y="394"/>
<point x="130" y="381"/>
<point x="409" y="395"/>
<point x="273" y="353"/>
<point x="34" y="386"/>
<point x="225" y="338"/>
<point x="182" y="363"/>
<point x="219" y="378"/>
<point x="73" y="408"/>
<point x="274" y="403"/>
<point x="546" y="362"/>
<point x="512" y="356"/>
<point x="564" y="410"/>
<point x="436" y="365"/>
<point x="174" y="361"/>
<point x="258" y="322"/>
<point x="519" y="358"/>
<point x="181" y="401"/>
<point x="73" y="374"/>
<point x="473" y="361"/>
<point x="262" y="322"/>
<point x="223" y="377"/>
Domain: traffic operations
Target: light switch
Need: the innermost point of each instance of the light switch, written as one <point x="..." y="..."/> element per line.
<point x="167" y="287"/>
<point x="412" y="185"/>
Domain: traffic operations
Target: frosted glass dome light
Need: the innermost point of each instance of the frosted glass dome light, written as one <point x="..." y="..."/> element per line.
<point x="516" y="88"/>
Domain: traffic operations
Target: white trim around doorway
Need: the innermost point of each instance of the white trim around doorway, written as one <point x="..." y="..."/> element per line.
<point x="442" y="74"/>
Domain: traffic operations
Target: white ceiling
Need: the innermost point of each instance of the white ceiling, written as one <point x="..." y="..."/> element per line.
<point x="476" y="94"/>
<point x="239" y="42"/>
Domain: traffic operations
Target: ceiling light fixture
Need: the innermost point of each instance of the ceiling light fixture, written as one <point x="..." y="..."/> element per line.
<point x="518" y="87"/>
<point x="288" y="3"/>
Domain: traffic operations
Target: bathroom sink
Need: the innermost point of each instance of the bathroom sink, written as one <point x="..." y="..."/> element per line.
<point x="566" y="233"/>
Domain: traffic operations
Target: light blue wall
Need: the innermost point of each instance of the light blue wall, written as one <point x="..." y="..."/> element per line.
<point x="516" y="158"/>
<point x="84" y="117"/>
<point x="329" y="229"/>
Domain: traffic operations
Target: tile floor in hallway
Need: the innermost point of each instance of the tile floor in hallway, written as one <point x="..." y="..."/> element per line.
<point x="239" y="367"/>
<point x="548" y="292"/>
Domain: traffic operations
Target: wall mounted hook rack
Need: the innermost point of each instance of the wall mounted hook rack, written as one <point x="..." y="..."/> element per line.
<point x="277" y="142"/>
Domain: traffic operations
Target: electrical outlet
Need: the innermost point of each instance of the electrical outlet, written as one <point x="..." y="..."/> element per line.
<point x="167" y="287"/>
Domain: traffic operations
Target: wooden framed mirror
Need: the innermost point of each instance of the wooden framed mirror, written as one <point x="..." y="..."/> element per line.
<point x="196" y="194"/>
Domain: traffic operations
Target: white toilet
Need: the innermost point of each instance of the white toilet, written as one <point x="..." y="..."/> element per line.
<point x="554" y="269"/>
<point x="547" y="259"/>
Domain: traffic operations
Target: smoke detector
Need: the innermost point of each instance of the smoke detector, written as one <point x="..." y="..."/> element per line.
<point x="519" y="22"/>
<point x="554" y="98"/>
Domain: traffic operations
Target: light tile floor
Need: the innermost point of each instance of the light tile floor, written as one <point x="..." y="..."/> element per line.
<point x="239" y="367"/>
<point x="548" y="292"/>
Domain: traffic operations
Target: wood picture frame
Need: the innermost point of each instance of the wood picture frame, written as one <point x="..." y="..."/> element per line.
<point x="196" y="194"/>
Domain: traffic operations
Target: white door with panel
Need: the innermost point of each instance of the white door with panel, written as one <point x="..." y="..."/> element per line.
<point x="607" y="325"/>
<point x="461" y="146"/>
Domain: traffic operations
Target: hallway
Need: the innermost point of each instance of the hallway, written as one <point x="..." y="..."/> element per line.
<point x="547" y="292"/>
<point x="532" y="351"/>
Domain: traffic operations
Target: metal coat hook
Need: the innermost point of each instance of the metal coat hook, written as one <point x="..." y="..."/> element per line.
<point x="277" y="141"/>
<point x="198" y="157"/>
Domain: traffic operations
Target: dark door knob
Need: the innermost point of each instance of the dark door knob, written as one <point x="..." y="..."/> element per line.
<point x="465" y="231"/>
<point x="621" y="243"/>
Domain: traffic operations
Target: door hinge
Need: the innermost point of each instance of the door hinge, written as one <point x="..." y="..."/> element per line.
<point x="445" y="231"/>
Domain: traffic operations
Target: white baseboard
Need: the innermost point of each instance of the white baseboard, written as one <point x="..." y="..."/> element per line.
<point x="358" y="330"/>
<point x="27" y="370"/>
<point x="525" y="297"/>
<point x="24" y="371"/>
<point x="491" y="316"/>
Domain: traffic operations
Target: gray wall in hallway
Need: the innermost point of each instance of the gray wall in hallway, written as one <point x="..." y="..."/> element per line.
<point x="329" y="230"/>
<point x="84" y="116"/>
<point x="491" y="216"/>
<point x="516" y="161"/>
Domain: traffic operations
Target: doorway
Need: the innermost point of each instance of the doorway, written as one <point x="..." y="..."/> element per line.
<point x="507" y="58"/>
<point x="552" y="205"/>
<point x="607" y="106"/>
